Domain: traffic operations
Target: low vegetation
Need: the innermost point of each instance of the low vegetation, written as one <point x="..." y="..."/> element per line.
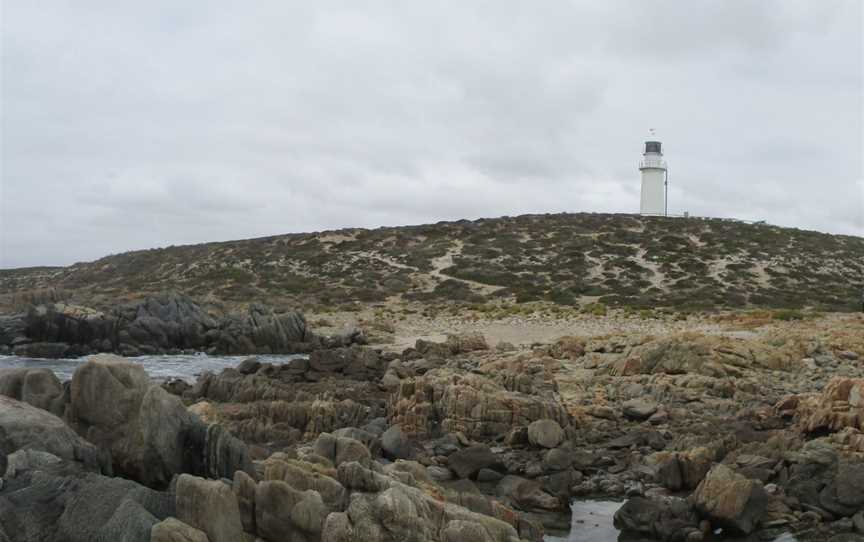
<point x="583" y="261"/>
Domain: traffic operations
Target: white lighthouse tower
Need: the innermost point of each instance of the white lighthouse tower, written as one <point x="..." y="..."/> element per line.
<point x="654" y="176"/>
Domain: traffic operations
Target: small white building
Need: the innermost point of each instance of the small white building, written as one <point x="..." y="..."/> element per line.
<point x="654" y="179"/>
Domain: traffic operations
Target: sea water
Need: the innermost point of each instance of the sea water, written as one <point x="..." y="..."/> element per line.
<point x="185" y="367"/>
<point x="592" y="522"/>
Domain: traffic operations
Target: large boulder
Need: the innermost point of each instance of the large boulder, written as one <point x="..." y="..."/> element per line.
<point x="150" y="434"/>
<point x="639" y="409"/>
<point x="545" y="433"/>
<point x="730" y="500"/>
<point x="210" y="506"/>
<point x="25" y="427"/>
<point x="50" y="502"/>
<point x="262" y="331"/>
<point x="37" y="387"/>
<point x="396" y="444"/>
<point x="284" y="513"/>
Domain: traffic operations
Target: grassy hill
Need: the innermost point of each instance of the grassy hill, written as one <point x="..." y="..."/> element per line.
<point x="567" y="259"/>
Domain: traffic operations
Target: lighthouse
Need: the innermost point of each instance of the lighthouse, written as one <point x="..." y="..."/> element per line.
<point x="654" y="177"/>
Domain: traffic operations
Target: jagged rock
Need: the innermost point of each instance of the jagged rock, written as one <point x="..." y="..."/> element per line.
<point x="210" y="506"/>
<point x="50" y="502"/>
<point x="26" y="427"/>
<point x="339" y="450"/>
<point x="478" y="406"/>
<point x="384" y="510"/>
<point x="305" y="477"/>
<point x="729" y="500"/>
<point x="149" y="432"/>
<point x="840" y="405"/>
<point x="157" y="324"/>
<point x="37" y="387"/>
<point x="174" y="530"/>
<point x="545" y="433"/>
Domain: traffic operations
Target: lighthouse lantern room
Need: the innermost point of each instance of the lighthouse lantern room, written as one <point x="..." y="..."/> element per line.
<point x="654" y="178"/>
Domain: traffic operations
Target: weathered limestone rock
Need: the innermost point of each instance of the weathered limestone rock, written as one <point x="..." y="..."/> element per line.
<point x="729" y="500"/>
<point x="840" y="405"/>
<point x="209" y="506"/>
<point x="473" y="404"/>
<point x="303" y="476"/>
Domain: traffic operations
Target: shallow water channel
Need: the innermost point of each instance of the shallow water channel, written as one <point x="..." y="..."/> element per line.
<point x="592" y="522"/>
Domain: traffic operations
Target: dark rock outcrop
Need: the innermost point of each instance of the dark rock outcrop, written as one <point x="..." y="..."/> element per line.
<point x="160" y="324"/>
<point x="149" y="432"/>
<point x="78" y="507"/>
<point x="25" y="427"/>
<point x="667" y="518"/>
<point x="53" y="488"/>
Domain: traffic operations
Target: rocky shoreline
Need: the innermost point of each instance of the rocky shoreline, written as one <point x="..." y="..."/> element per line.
<point x="164" y="324"/>
<point x="452" y="440"/>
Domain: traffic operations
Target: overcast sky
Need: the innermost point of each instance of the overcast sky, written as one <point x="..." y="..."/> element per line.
<point x="129" y="125"/>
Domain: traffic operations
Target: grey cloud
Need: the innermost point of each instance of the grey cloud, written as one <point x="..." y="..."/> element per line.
<point x="128" y="126"/>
